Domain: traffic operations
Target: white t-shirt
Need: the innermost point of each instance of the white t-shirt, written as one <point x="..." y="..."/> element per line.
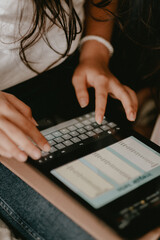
<point x="12" y="69"/>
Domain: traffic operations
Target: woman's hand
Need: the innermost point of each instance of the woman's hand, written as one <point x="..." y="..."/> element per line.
<point x="93" y="72"/>
<point x="18" y="132"/>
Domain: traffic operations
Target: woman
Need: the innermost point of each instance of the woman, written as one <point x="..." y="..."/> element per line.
<point x="37" y="37"/>
<point x="43" y="38"/>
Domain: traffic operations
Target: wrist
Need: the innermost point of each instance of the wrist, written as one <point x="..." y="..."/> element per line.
<point x="94" y="50"/>
<point x="100" y="40"/>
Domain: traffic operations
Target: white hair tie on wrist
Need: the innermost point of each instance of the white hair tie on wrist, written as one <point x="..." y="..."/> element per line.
<point x="106" y="43"/>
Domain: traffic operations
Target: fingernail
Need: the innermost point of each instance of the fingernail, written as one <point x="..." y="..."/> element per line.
<point x="46" y="147"/>
<point x="99" y="119"/>
<point x="34" y="121"/>
<point x="132" y="116"/>
<point x="83" y="102"/>
<point x="37" y="154"/>
<point x="22" y="157"/>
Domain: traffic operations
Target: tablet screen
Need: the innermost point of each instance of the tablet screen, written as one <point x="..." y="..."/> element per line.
<point x="111" y="172"/>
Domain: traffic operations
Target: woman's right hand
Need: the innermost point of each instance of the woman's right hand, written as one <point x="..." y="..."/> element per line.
<point x="19" y="136"/>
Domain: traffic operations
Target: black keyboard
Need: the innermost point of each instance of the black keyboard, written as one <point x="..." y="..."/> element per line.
<point x="69" y="135"/>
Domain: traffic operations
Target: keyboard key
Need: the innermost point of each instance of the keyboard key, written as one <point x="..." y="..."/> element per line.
<point x="74" y="133"/>
<point x="57" y="134"/>
<point x="94" y="124"/>
<point x="112" y="124"/>
<point x="90" y="133"/>
<point x="64" y="131"/>
<point x="105" y="127"/>
<point x="44" y="153"/>
<point x="80" y="118"/>
<point x="81" y="130"/>
<point x="53" y="149"/>
<point x="49" y="137"/>
<point x="87" y="115"/>
<point x="89" y="127"/>
<point x="92" y="119"/>
<point x="83" y="136"/>
<point x="66" y="136"/>
<point x="98" y="130"/>
<point x="79" y="125"/>
<point x="67" y="143"/>
<point x="75" y="139"/>
<point x="72" y="128"/>
<point x="60" y="146"/>
<point x="86" y="122"/>
<point x="59" y="139"/>
<point x="51" y="142"/>
<point x="40" y="161"/>
<point x="104" y="122"/>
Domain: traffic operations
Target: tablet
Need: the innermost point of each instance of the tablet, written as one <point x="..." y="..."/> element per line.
<point x="111" y="170"/>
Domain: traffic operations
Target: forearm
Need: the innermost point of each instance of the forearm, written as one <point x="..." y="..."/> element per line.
<point x="93" y="70"/>
<point x="100" y="23"/>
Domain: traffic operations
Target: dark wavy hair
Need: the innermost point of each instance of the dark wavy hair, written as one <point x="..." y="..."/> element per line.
<point x="53" y="11"/>
<point x="137" y="43"/>
<point x="138" y="24"/>
<point x="138" y="20"/>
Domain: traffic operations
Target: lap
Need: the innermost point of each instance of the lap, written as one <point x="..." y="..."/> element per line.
<point x="31" y="215"/>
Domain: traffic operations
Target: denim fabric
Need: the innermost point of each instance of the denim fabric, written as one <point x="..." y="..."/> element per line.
<point x="31" y="215"/>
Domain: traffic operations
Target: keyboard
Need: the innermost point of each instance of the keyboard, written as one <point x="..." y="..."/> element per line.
<point x="71" y="134"/>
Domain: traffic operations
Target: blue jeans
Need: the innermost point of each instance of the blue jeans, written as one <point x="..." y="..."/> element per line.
<point x="31" y="215"/>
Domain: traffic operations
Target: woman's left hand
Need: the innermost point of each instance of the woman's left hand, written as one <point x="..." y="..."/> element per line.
<point x="92" y="72"/>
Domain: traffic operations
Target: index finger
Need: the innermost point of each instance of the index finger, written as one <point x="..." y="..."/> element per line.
<point x="101" y="95"/>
